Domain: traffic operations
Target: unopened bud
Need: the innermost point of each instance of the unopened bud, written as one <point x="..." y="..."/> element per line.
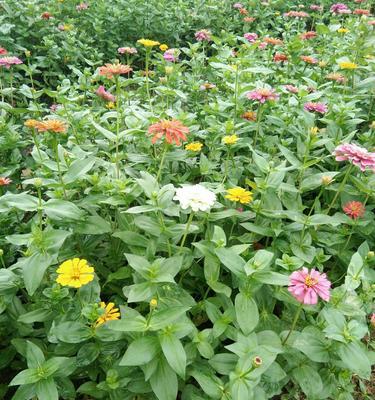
<point x="370" y="254"/>
<point x="326" y="180"/>
<point x="314" y="131"/>
<point x="257" y="362"/>
<point x="38" y="182"/>
<point x="153" y="303"/>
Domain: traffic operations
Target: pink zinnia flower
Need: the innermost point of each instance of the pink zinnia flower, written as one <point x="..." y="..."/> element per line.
<point x="170" y="55"/>
<point x="82" y="6"/>
<point x="309" y="59"/>
<point x="354" y="209"/>
<point x="3" y="51"/>
<point x="296" y="14"/>
<point x="4" y="181"/>
<point x="308" y="35"/>
<point x="263" y="45"/>
<point x="306" y="287"/>
<point x="291" y="88"/>
<point x="203" y="35"/>
<point x="316" y="7"/>
<point x="127" y="50"/>
<point x="101" y="92"/>
<point x="371" y="22"/>
<point x="54" y="107"/>
<point x="237" y="5"/>
<point x="262" y="95"/>
<point x="173" y="130"/>
<point x="315" y="107"/>
<point x="250" y="37"/>
<point x="7" y="62"/>
<point x="340" y="8"/>
<point x="357" y="155"/>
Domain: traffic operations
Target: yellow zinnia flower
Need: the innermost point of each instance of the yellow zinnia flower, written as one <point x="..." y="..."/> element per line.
<point x="343" y="30"/>
<point x="110" y="105"/>
<point x="230" y="139"/>
<point x="148" y="42"/>
<point x="194" y="146"/>
<point x="109" y="313"/>
<point x="314" y="130"/>
<point x="75" y="273"/>
<point x="163" y="47"/>
<point x="348" y="65"/>
<point x="240" y="195"/>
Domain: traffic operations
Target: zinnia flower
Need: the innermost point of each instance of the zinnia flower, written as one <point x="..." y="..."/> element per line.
<point x="32" y="123"/>
<point x="354" y="209"/>
<point x="348" y="65"/>
<point x="148" y="42"/>
<point x="237" y="5"/>
<point x="357" y="155"/>
<point x="296" y="14"/>
<point x="127" y="50"/>
<point x="207" y="86"/>
<point x="194" y="146"/>
<point x="249" y="116"/>
<point x="173" y="130"/>
<point x="239" y="194"/>
<point x="51" y="125"/>
<point x="46" y="15"/>
<point x="3" y="51"/>
<point x="343" y="30"/>
<point x="170" y="55"/>
<point x="109" y="70"/>
<point x="315" y="107"/>
<point x="309" y="59"/>
<point x="4" y="181"/>
<point x="7" y="62"/>
<point x="306" y="287"/>
<point x="280" y="57"/>
<point x="291" y="88"/>
<point x="249" y="19"/>
<point x="360" y="11"/>
<point x="250" y="37"/>
<point x="316" y="7"/>
<point x="203" y="35"/>
<point x="197" y="197"/>
<point x="163" y="47"/>
<point x="101" y="92"/>
<point x="109" y="313"/>
<point x="262" y="95"/>
<point x="308" y="35"/>
<point x="82" y="6"/>
<point x="74" y="273"/>
<point x="273" y="41"/>
<point x="335" y="76"/>
<point x="340" y="8"/>
<point x="230" y="139"/>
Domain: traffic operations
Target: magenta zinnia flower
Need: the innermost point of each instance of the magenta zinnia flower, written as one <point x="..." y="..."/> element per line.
<point x="315" y="107"/>
<point x="340" y="8"/>
<point x="306" y="287"/>
<point x="170" y="55"/>
<point x="250" y="37"/>
<point x="262" y="95"/>
<point x="203" y="35"/>
<point x="8" y="61"/>
<point x="357" y="155"/>
<point x="101" y="92"/>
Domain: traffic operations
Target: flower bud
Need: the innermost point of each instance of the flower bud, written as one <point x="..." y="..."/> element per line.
<point x="314" y="131"/>
<point x="153" y="303"/>
<point x="370" y="254"/>
<point x="168" y="70"/>
<point x="38" y="182"/>
<point x="326" y="180"/>
<point x="27" y="53"/>
<point x="257" y="362"/>
<point x="1" y="252"/>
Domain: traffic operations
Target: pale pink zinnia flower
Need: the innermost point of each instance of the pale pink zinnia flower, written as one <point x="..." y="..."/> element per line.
<point x="237" y="5"/>
<point x="127" y="50"/>
<point x="262" y="95"/>
<point x="357" y="155"/>
<point x="250" y="37"/>
<point x="170" y="55"/>
<point x="296" y="14"/>
<point x="82" y="6"/>
<point x="291" y="88"/>
<point x="339" y="8"/>
<point x="316" y="7"/>
<point x="203" y="35"/>
<point x="308" y="35"/>
<point x="315" y="107"/>
<point x="307" y="286"/>
<point x="101" y="92"/>
<point x="7" y="62"/>
<point x="354" y="209"/>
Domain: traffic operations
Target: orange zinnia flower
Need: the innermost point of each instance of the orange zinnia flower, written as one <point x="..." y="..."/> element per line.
<point x="108" y="70"/>
<point x="273" y="41"/>
<point x="32" y="123"/>
<point x="51" y="125"/>
<point x="173" y="130"/>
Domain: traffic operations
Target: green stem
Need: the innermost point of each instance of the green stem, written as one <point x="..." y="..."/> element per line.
<point x="259" y="117"/>
<point x="340" y="188"/>
<point x="2" y="261"/>
<point x="309" y="214"/>
<point x="147" y="77"/>
<point x="58" y="165"/>
<point x="118" y="103"/>
<point x="235" y="94"/>
<point x="11" y="88"/>
<point x="161" y="162"/>
<point x="190" y="220"/>
<point x="40" y="209"/>
<point x="298" y="312"/>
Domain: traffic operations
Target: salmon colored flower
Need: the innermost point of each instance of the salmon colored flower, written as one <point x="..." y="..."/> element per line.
<point x="308" y="35"/>
<point x="109" y="313"/>
<point x="291" y="88"/>
<point x="74" y="273"/>
<point x="240" y="195"/>
<point x="243" y="11"/>
<point x="354" y="209"/>
<point x="249" y="19"/>
<point x="4" y="181"/>
<point x="109" y="70"/>
<point x="273" y="41"/>
<point x="3" y="51"/>
<point x="307" y="286"/>
<point x="361" y="11"/>
<point x="173" y="130"/>
<point x="101" y="92"/>
<point x="296" y="14"/>
<point x="309" y="59"/>
<point x="32" y="123"/>
<point x="280" y="57"/>
<point x="249" y="116"/>
<point x="51" y="125"/>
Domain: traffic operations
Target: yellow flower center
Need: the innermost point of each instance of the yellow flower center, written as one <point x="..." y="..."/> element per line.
<point x="309" y="281"/>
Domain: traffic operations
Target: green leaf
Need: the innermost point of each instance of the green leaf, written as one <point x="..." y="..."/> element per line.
<point x="271" y="278"/>
<point x="105" y="132"/>
<point x="174" y="352"/>
<point x="247" y="313"/>
<point x="22" y="201"/>
<point x="87" y="354"/>
<point x="39" y="315"/>
<point x="312" y="343"/>
<point x="231" y="260"/>
<point x="72" y="332"/>
<point x="141" y="351"/>
<point x="33" y="269"/>
<point x="34" y="356"/>
<point x="93" y="225"/>
<point x="140" y="264"/>
<point x="208" y="384"/>
<point x="25" y="377"/>
<point x="132" y="238"/>
<point x="261" y="260"/>
<point x="309" y="381"/>
<point x="162" y="318"/>
<point x="59" y="210"/>
<point x="354" y="356"/>
<point x="164" y="381"/>
<point x="240" y="390"/>
<point x="135" y="324"/>
<point x="77" y="169"/>
<point x="46" y="390"/>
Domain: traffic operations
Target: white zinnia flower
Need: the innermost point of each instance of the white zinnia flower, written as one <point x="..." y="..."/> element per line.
<point x="195" y="196"/>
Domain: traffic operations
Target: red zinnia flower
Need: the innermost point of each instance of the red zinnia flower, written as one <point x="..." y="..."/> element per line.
<point x="354" y="209"/>
<point x="46" y="15"/>
<point x="308" y="35"/>
<point x="4" y="181"/>
<point x="173" y="130"/>
<point x="3" y="51"/>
